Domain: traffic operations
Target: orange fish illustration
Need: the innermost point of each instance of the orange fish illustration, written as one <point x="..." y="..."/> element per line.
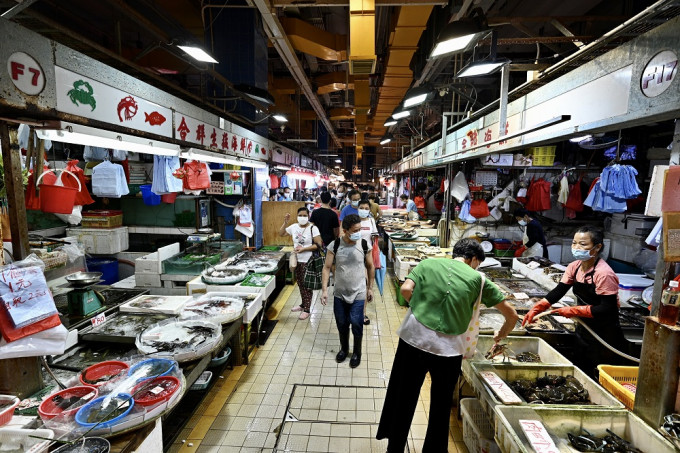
<point x="154" y="118"/>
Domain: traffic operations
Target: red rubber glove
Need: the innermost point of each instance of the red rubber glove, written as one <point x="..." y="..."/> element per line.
<point x="540" y="307"/>
<point x="519" y="251"/>
<point x="582" y="311"/>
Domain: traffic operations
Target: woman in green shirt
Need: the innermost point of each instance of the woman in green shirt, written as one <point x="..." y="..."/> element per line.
<point x="432" y="338"/>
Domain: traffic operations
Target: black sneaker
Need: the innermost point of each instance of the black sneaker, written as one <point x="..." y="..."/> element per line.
<point x="366" y="321"/>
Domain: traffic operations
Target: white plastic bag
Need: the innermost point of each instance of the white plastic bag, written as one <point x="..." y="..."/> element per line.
<point x="459" y="188"/>
<point x="76" y="216"/>
<point x="48" y="342"/>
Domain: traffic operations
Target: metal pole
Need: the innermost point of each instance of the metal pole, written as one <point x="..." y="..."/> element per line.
<point x="503" y="109"/>
<point x="11" y="160"/>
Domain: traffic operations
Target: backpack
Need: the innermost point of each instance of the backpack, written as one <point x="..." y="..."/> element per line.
<point x="336" y="246"/>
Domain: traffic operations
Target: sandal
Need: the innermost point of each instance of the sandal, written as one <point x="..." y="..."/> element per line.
<point x="303" y="315"/>
<point x="296" y="309"/>
<point x="366" y="321"/>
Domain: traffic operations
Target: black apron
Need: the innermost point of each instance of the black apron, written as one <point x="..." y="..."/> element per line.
<point x="606" y="327"/>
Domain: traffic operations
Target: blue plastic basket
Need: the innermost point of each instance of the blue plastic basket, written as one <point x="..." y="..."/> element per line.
<point x="84" y="412"/>
<point x="150" y="198"/>
<point x="169" y="367"/>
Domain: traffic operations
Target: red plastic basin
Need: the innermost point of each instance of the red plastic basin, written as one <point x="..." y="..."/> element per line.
<point x="49" y="408"/>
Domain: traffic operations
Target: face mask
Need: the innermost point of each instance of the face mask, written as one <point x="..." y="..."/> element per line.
<point x="581" y="255"/>
<point x="355" y="236"/>
<point x="522" y="222"/>
<point x="302" y="220"/>
<point x="363" y="213"/>
<point x="341" y="194"/>
<point x="355" y="203"/>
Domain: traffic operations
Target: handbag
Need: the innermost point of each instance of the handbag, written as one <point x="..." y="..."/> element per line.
<point x="472" y="333"/>
<point x="312" y="277"/>
<point x="376" y="253"/>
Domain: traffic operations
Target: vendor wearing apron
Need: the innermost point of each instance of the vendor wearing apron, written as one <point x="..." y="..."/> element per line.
<point x="596" y="289"/>
<point x="534" y="237"/>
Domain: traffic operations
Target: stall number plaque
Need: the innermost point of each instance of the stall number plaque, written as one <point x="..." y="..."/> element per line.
<point x="98" y="320"/>
<point x="659" y="73"/>
<point x="25" y="73"/>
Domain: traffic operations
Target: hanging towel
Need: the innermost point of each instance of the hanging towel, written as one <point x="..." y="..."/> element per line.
<point x="563" y="195"/>
<point x="538" y="196"/>
<point x="464" y="214"/>
<point x="163" y="180"/>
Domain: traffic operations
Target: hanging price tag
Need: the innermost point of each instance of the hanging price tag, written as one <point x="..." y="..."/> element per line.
<point x="98" y="320"/>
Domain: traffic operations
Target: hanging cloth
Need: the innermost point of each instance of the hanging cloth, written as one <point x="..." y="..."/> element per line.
<point x="538" y="196"/>
<point x="108" y="180"/>
<point x="83" y="196"/>
<point x="575" y="199"/>
<point x="563" y="194"/>
<point x="164" y="182"/>
<point x="464" y="214"/>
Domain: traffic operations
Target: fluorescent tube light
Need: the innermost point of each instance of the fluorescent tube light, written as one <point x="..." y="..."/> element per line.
<point x="481" y="68"/>
<point x="207" y="156"/>
<point x="580" y="139"/>
<point x="400" y="115"/>
<point x="90" y="136"/>
<point x="198" y="54"/>
<point x="390" y="122"/>
<point x="280" y="118"/>
<point x="385" y="141"/>
<point x="338" y="161"/>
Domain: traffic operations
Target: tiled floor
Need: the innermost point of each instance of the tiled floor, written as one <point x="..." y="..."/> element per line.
<point x="293" y="396"/>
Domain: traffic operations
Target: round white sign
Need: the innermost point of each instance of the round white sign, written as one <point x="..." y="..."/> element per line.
<point x="659" y="73"/>
<point x="25" y="73"/>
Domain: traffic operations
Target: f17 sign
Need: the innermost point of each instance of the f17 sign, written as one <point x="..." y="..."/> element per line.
<point x="659" y="73"/>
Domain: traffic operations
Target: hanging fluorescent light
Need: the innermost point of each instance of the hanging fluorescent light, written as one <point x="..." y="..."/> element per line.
<point x="478" y="68"/>
<point x="580" y="139"/>
<point x="207" y="156"/>
<point x="90" y="136"/>
<point x="390" y="122"/>
<point x="338" y="161"/>
<point x="402" y="114"/>
<point x="258" y="94"/>
<point x="416" y="96"/>
<point x="386" y="139"/>
<point x="459" y="36"/>
<point x="197" y="53"/>
<point x="280" y="118"/>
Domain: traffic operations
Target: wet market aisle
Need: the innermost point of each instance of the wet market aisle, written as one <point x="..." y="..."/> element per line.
<point x="328" y="407"/>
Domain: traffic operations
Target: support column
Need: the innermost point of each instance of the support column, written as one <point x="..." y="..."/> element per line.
<point x="11" y="160"/>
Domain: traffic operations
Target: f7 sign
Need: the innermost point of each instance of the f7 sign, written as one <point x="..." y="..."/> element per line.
<point x="25" y="73"/>
<point x="659" y="73"/>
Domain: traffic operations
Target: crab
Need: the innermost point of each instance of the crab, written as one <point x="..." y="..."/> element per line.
<point x="496" y="350"/>
<point x="82" y="93"/>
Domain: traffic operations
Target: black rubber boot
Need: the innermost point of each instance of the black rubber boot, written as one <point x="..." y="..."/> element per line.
<point x="356" y="353"/>
<point x="344" y="347"/>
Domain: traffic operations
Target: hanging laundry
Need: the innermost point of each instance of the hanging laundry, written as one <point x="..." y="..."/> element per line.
<point x="619" y="181"/>
<point x="575" y="199"/>
<point x="163" y="181"/>
<point x="563" y="194"/>
<point x="273" y="181"/>
<point x="108" y="180"/>
<point x="95" y="154"/>
<point x="538" y="196"/>
<point x="22" y="137"/>
<point x="598" y="200"/>
<point x="464" y="214"/>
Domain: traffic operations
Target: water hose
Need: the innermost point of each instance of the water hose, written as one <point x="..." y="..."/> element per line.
<point x="604" y="343"/>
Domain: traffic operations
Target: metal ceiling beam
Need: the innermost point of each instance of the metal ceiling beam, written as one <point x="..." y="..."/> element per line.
<point x="16" y="9"/>
<point x="539" y="40"/>
<point x="565" y="31"/>
<point x="330" y="3"/>
<point x="277" y="36"/>
<point x="527" y="31"/>
<point x="568" y="19"/>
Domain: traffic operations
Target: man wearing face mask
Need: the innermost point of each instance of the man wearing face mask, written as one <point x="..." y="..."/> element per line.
<point x="353" y="207"/>
<point x="353" y="262"/>
<point x="287" y="195"/>
<point x="534" y="237"/>
<point x="596" y="288"/>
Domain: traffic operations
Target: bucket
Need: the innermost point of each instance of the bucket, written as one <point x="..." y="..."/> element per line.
<point x="169" y="197"/>
<point x="107" y="266"/>
<point x="150" y="198"/>
<point x="58" y="199"/>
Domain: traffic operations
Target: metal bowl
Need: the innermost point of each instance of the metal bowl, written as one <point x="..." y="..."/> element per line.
<point x="80" y="279"/>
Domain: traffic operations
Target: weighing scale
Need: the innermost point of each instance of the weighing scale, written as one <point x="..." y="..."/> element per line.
<point x="83" y="299"/>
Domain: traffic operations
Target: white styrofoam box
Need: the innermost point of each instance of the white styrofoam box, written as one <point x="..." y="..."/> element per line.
<point x="624" y="248"/>
<point x="196" y="286"/>
<point x="101" y="241"/>
<point x="402" y="268"/>
<point x="632" y="224"/>
<point x="252" y="309"/>
<point x="632" y="285"/>
<point x="153" y="262"/>
<point x="148" y="280"/>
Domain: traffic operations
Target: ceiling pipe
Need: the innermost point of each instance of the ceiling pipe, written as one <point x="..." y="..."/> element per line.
<point x="285" y="49"/>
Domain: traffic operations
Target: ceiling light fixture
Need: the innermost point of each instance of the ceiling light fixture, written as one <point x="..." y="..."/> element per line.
<point x="90" y="136"/>
<point x="258" y="94"/>
<point x="417" y="95"/>
<point x="390" y="122"/>
<point x="280" y="118"/>
<point x="461" y="35"/>
<point x="400" y="115"/>
<point x="386" y="139"/>
<point x="207" y="156"/>
<point x="197" y="53"/>
<point x="580" y="139"/>
<point x="338" y="161"/>
<point x="479" y="68"/>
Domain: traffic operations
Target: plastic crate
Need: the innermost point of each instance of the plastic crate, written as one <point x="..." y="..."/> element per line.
<point x="599" y="397"/>
<point x="202" y="381"/>
<point x="542" y="151"/>
<point x="478" y="431"/>
<point x="559" y="422"/>
<point x="504" y="253"/>
<point x="543" y="161"/>
<point x="102" y="219"/>
<point x="611" y="378"/>
<point x="548" y="354"/>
